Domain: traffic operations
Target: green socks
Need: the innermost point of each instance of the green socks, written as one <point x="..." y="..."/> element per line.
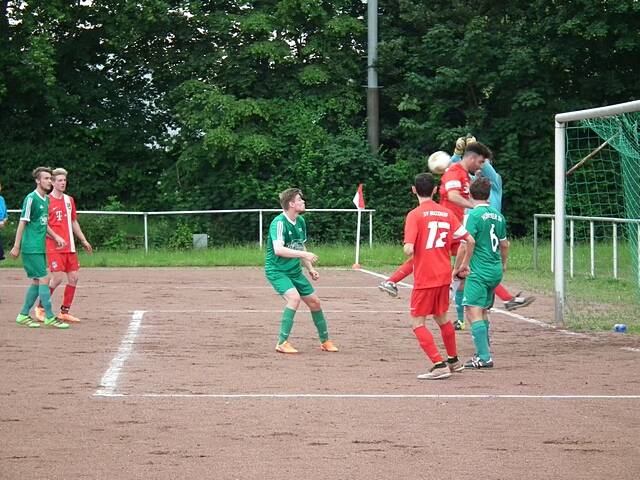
<point x="459" y="306"/>
<point x="45" y="298"/>
<point x="30" y="298"/>
<point x="321" y="324"/>
<point x="480" y="335"/>
<point x="286" y="324"/>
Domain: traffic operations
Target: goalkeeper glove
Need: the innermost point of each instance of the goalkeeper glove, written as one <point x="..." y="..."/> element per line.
<point x="461" y="143"/>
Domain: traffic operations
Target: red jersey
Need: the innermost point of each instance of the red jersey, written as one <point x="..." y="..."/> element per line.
<point x="432" y="228"/>
<point x="455" y="178"/>
<point x="62" y="212"/>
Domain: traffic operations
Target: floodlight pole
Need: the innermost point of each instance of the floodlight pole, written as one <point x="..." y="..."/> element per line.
<point x="373" y="97"/>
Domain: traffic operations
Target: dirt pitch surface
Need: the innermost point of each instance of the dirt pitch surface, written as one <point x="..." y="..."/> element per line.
<point x="173" y="374"/>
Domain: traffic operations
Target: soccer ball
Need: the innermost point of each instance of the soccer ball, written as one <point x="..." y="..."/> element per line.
<point x="438" y="162"/>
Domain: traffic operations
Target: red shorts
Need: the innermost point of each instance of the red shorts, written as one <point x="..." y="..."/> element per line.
<point x="429" y="301"/>
<point x="63" y="262"/>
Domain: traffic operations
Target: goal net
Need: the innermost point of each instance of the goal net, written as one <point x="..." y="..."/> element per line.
<point x="602" y="215"/>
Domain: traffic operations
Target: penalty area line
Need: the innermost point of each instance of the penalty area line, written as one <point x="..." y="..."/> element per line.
<point x="110" y="378"/>
<point x="488" y="396"/>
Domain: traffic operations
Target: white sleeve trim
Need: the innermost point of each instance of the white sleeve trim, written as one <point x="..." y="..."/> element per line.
<point x="460" y="232"/>
<point x="453" y="185"/>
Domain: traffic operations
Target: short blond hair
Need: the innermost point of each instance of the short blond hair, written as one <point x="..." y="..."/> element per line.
<point x="289" y="195"/>
<point x="59" y="171"/>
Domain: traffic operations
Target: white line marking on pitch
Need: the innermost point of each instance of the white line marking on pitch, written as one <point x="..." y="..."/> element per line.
<point x="497" y="310"/>
<point x="630" y="349"/>
<point x="384" y="277"/>
<point x="110" y="377"/>
<point x="373" y="396"/>
<point x="273" y="311"/>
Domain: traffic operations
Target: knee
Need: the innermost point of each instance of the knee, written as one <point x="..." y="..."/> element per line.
<point x="314" y="304"/>
<point x="293" y="302"/>
<point x="73" y="279"/>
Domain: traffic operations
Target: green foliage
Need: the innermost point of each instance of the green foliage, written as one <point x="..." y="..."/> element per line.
<point x="192" y="104"/>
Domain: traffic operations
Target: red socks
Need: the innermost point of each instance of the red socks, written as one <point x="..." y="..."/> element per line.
<point x="503" y="293"/>
<point x="69" y="292"/>
<point x="402" y="272"/>
<point x="427" y="344"/>
<point x="449" y="338"/>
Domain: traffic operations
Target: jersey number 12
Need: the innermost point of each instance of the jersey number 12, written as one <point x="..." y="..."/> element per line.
<point x="438" y="232"/>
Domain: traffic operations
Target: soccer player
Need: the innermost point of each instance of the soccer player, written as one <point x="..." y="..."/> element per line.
<point x="285" y="252"/>
<point x="63" y="260"/>
<point x="429" y="233"/>
<point x="511" y="302"/>
<point x="488" y="262"/>
<point x="30" y="241"/>
<point x="3" y="220"/>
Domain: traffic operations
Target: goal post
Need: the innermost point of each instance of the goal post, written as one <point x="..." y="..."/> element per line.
<point x="561" y="148"/>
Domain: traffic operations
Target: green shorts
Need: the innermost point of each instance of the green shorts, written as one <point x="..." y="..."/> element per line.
<point x="479" y="292"/>
<point x="35" y="264"/>
<point x="281" y="282"/>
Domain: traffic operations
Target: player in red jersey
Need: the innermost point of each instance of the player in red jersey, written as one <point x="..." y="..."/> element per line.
<point x="454" y="194"/>
<point x="63" y="260"/>
<point x="429" y="233"/>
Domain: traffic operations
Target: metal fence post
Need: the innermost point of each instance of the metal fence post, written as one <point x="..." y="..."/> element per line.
<point x="571" y="245"/>
<point x="370" y="229"/>
<point x="260" y="228"/>
<point x="553" y="233"/>
<point x="592" y="244"/>
<point x="615" y="250"/>
<point x="535" y="243"/>
<point x="146" y="233"/>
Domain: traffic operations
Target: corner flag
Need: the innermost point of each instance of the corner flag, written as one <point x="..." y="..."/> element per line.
<point x="358" y="198"/>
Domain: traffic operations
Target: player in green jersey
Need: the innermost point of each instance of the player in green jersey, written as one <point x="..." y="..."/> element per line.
<point x="285" y="252"/>
<point x="30" y="241"/>
<point x="488" y="262"/>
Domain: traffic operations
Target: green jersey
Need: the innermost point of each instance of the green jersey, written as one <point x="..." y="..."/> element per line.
<point x="293" y="235"/>
<point x="488" y="228"/>
<point x="35" y="211"/>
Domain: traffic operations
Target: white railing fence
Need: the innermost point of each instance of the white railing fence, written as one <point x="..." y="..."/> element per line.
<point x="572" y="219"/>
<point x="259" y="211"/>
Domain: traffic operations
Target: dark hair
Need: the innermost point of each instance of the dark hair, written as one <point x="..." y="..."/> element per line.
<point x="479" y="149"/>
<point x="36" y="173"/>
<point x="288" y="196"/>
<point x="424" y="183"/>
<point x="480" y="188"/>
